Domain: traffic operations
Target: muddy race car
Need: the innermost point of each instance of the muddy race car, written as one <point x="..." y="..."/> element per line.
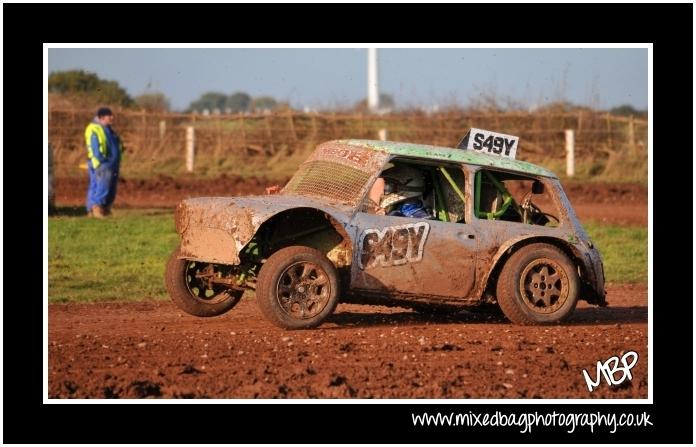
<point x="493" y="232"/>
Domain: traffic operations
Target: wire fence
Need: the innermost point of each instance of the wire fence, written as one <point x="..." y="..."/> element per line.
<point x="273" y="145"/>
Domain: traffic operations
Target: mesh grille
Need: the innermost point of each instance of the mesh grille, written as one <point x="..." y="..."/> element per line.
<point x="330" y="180"/>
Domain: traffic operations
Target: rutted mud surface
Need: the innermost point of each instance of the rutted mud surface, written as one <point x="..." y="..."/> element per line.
<point x="611" y="203"/>
<point x="151" y="349"/>
<point x="160" y="191"/>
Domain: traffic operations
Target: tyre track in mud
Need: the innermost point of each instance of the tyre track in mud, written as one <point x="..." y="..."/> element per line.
<point x="151" y="349"/>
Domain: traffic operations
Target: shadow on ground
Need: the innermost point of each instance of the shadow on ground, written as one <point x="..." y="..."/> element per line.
<point x="67" y="211"/>
<point x="586" y="316"/>
<point x="80" y="211"/>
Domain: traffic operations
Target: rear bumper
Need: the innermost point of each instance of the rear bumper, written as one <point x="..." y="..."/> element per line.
<point x="593" y="284"/>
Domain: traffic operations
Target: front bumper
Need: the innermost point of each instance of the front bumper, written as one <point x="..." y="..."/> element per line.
<point x="212" y="230"/>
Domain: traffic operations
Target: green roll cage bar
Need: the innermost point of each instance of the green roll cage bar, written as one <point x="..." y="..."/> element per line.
<point x="441" y="204"/>
<point x="507" y="198"/>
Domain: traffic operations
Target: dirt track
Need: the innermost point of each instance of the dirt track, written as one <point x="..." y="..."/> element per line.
<point x="611" y="203"/>
<point x="151" y="349"/>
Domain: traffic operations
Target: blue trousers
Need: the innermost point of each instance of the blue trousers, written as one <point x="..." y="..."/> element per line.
<point x="102" y="185"/>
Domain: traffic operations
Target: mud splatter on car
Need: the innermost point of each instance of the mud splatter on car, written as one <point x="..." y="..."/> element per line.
<point x="496" y="231"/>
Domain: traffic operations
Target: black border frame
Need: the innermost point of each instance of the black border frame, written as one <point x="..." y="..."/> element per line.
<point x="669" y="27"/>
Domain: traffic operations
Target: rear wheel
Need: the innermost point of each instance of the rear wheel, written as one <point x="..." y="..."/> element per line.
<point x="190" y="289"/>
<point x="297" y="288"/>
<point x="538" y="284"/>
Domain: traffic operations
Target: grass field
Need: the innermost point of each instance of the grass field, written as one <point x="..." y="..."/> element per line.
<point x="117" y="259"/>
<point x="123" y="258"/>
<point x="624" y="251"/>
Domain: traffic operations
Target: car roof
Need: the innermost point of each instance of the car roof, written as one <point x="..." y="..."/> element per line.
<point x="449" y="154"/>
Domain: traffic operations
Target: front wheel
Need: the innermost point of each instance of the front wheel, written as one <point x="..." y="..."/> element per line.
<point x="190" y="290"/>
<point x="538" y="284"/>
<point x="297" y="288"/>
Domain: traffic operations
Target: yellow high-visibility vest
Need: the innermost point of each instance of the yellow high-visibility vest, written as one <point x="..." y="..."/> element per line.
<point x="101" y="136"/>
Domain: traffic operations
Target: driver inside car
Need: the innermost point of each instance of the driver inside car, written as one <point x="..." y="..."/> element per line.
<point x="400" y="192"/>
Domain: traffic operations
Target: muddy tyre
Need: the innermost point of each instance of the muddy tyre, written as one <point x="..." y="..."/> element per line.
<point x="297" y="288"/>
<point x="538" y="284"/>
<point x="191" y="294"/>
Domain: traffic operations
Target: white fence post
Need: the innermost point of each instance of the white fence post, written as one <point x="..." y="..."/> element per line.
<point x="190" y="148"/>
<point x="162" y="129"/>
<point x="383" y="134"/>
<point x="570" y="152"/>
<point x="631" y="135"/>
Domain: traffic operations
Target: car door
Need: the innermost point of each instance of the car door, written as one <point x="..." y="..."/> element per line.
<point x="413" y="256"/>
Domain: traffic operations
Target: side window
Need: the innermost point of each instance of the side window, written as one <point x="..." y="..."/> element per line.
<point x="513" y="198"/>
<point x="418" y="191"/>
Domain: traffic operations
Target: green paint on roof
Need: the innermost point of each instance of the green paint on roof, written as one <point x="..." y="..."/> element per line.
<point x="450" y="154"/>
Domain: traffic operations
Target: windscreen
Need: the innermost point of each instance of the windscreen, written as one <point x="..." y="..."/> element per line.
<point x="337" y="172"/>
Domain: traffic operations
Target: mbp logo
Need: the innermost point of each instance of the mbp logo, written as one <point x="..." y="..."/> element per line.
<point x="609" y="368"/>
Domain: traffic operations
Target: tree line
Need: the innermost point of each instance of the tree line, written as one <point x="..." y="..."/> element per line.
<point x="85" y="89"/>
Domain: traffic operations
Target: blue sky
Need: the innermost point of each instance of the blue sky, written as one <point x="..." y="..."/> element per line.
<point x="327" y="77"/>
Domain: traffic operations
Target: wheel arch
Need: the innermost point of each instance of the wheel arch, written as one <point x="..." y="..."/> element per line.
<point x="309" y="226"/>
<point x="488" y="282"/>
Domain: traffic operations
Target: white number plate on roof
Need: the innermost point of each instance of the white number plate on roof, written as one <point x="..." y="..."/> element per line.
<point x="487" y="142"/>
